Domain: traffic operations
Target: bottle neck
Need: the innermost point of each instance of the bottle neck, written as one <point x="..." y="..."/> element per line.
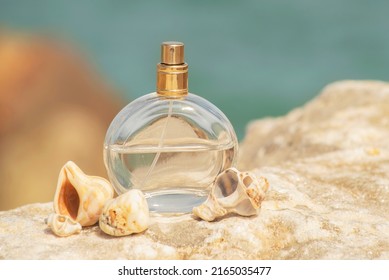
<point x="172" y="80"/>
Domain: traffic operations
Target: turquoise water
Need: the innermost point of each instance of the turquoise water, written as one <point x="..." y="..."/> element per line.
<point x="250" y="58"/>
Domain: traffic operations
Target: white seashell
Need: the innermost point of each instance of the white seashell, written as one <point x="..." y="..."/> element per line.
<point x="63" y="225"/>
<point x="126" y="214"/>
<point x="79" y="196"/>
<point x="233" y="192"/>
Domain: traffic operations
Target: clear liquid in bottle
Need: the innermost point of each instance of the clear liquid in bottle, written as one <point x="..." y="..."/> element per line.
<point x="172" y="177"/>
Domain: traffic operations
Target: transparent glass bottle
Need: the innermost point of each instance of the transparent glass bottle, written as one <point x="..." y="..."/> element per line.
<point x="170" y="144"/>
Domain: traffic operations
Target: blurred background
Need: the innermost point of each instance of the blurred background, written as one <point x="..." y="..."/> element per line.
<point x="67" y="68"/>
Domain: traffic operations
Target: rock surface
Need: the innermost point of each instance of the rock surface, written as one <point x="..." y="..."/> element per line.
<point x="328" y="168"/>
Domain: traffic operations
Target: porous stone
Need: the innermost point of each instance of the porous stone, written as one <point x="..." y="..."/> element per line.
<point x="327" y="164"/>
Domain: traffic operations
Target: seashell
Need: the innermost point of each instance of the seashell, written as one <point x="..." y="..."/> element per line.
<point x="63" y="225"/>
<point x="79" y="196"/>
<point x="233" y="192"/>
<point x="126" y="214"/>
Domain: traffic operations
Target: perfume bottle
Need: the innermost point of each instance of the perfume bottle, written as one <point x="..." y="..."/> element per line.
<point x="170" y="144"/>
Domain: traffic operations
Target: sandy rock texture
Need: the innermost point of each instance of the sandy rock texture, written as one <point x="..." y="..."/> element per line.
<point x="328" y="168"/>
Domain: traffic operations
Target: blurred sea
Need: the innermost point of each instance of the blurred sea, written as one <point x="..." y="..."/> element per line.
<point x="250" y="58"/>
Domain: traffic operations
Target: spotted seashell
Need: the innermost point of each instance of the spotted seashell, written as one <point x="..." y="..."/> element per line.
<point x="233" y="192"/>
<point x="63" y="225"/>
<point x="79" y="196"/>
<point x="125" y="214"/>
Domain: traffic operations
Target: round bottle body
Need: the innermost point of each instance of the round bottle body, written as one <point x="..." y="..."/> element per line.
<point x="170" y="148"/>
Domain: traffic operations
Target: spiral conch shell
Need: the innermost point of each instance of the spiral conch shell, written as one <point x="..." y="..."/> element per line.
<point x="79" y="196"/>
<point x="63" y="225"/>
<point x="233" y="192"/>
<point x="126" y="214"/>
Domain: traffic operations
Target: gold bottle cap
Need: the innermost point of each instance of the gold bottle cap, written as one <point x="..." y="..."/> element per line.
<point x="172" y="53"/>
<point x="172" y="72"/>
